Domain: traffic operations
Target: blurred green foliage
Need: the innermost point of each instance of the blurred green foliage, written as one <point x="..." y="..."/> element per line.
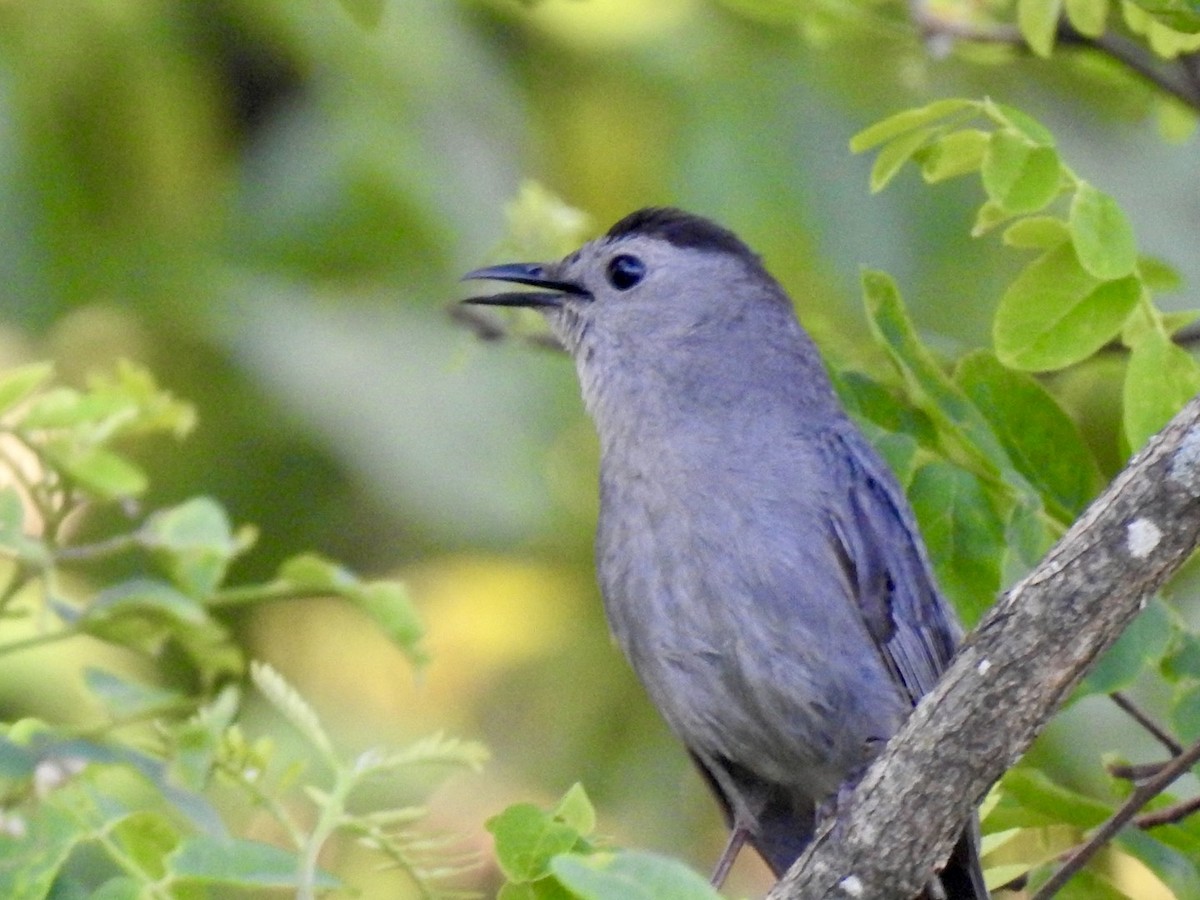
<point x="267" y="203"/>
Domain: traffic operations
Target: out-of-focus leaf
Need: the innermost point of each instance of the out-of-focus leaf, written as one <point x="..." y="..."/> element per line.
<point x="196" y="742"/>
<point x="1038" y="21"/>
<point x="1055" y="314"/>
<point x="895" y="153"/>
<point x="576" y="810"/>
<point x="1037" y="233"/>
<point x="1042" y="441"/>
<point x="1030" y="798"/>
<point x="1159" y="275"/>
<point x="1142" y="644"/>
<point x="527" y="838"/>
<point x="964" y="533"/>
<point x="1182" y="661"/>
<point x="366" y="13"/>
<point x="1091" y="885"/>
<point x="103" y="472"/>
<point x="29" y="865"/>
<point x="1160" y="378"/>
<point x="1087" y="16"/>
<point x="143" y="613"/>
<point x="145" y="837"/>
<point x="990" y="215"/>
<point x="12" y="530"/>
<point x="237" y="862"/>
<point x="958" y="153"/>
<point x="1018" y="176"/>
<point x="17" y="384"/>
<point x="387" y="602"/>
<point x="119" y="888"/>
<point x="1169" y="15"/>
<point x="631" y="876"/>
<point x="908" y="120"/>
<point x="1185" y="712"/>
<point x="1103" y="237"/>
<point x="125" y="698"/>
<point x="194" y="542"/>
<point x="1023" y="123"/>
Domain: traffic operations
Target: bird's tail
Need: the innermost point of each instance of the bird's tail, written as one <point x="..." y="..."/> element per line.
<point x="962" y="877"/>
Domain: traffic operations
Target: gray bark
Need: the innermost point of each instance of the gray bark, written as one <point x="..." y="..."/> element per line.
<point x="1009" y="678"/>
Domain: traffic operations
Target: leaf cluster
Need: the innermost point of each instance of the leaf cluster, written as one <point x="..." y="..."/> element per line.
<point x="127" y="807"/>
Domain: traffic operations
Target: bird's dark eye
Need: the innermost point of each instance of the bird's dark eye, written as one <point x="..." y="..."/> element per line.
<point x="625" y="271"/>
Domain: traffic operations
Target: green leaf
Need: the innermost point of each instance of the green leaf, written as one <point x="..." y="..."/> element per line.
<point x="866" y="398"/>
<point x="127" y="699"/>
<point x="196" y="742"/>
<point x="990" y="215"/>
<point x="367" y="13"/>
<point x="906" y="121"/>
<point x="1020" y="177"/>
<point x="1182" y="661"/>
<point x="1038" y="21"/>
<point x="194" y="542"/>
<point x="895" y="153"/>
<point x="1185" y="712"/>
<point x="1011" y="117"/>
<point x="1087" y="16"/>
<point x="955" y="154"/>
<point x="1028" y="538"/>
<point x="1159" y="275"/>
<point x="631" y="876"/>
<point x="1143" y="643"/>
<point x="236" y="862"/>
<point x="936" y="394"/>
<point x="12" y="530"/>
<point x="17" y="384"/>
<point x="101" y="471"/>
<point x="119" y="888"/>
<point x="144" y="613"/>
<point x="527" y="838"/>
<point x="1042" y="441"/>
<point x="1090" y="884"/>
<point x="1037" y="233"/>
<point x="1033" y="799"/>
<point x="1055" y="314"/>
<point x="1160" y="377"/>
<point x="145" y="837"/>
<point x="389" y="604"/>
<point x="964" y="533"/>
<point x="1102" y="235"/>
<point x="576" y="810"/>
<point x="1183" y="15"/>
<point x="386" y="602"/>
<point x="29" y="866"/>
<point x="294" y="708"/>
<point x="64" y="407"/>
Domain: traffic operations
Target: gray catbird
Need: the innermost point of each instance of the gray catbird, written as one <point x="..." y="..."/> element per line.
<point x="760" y="566"/>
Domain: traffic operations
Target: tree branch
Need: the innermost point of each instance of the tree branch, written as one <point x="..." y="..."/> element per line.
<point x="1180" y="77"/>
<point x="1009" y="677"/>
<point x="1141" y="795"/>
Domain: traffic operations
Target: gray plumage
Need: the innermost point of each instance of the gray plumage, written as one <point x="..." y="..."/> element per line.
<point x="760" y="567"/>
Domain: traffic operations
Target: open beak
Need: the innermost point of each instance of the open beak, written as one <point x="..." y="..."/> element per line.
<point x="532" y="274"/>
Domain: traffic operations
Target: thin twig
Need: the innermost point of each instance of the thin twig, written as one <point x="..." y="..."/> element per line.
<point x="1141" y="795"/>
<point x="1138" y="715"/>
<point x="1180" y="79"/>
<point x="1168" y="815"/>
<point x="1135" y="772"/>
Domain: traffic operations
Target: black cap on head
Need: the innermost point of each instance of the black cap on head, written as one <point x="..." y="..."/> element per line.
<point x="681" y="229"/>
